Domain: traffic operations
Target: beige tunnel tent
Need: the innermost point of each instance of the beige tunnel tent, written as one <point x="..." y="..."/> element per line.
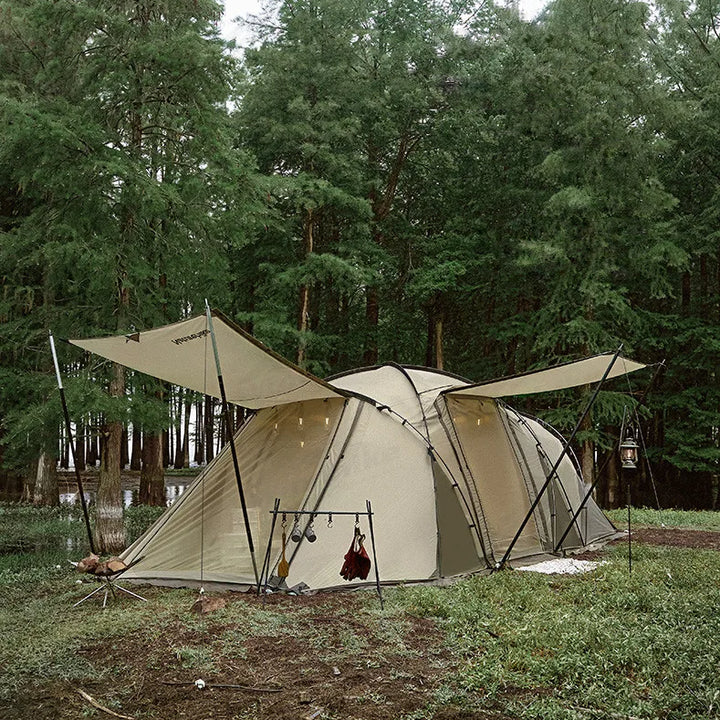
<point x="450" y="469"/>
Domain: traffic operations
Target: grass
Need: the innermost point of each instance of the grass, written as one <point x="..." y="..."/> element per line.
<point x="691" y="519"/>
<point x="602" y="645"/>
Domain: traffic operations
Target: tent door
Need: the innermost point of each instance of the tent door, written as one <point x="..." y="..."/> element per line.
<point x="456" y="551"/>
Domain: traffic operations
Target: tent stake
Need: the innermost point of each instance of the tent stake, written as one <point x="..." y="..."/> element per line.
<point x="71" y="442"/>
<point x="233" y="451"/>
<point x="552" y="472"/>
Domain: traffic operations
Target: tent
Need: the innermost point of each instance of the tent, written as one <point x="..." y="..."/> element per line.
<point x="450" y="469"/>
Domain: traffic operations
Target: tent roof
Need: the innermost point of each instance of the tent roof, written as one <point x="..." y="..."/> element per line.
<point x="559" y="377"/>
<point x="254" y="376"/>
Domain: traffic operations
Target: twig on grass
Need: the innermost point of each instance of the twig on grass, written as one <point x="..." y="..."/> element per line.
<point x="97" y="705"/>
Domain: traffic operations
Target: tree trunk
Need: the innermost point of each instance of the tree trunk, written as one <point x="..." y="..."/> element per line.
<point x="372" y="316"/>
<point x="439" y="356"/>
<point x="305" y="288"/>
<point x="199" y="434"/>
<point x="28" y="490"/>
<point x="92" y="446"/>
<point x="80" y="447"/>
<point x="46" y="492"/>
<point x="65" y="445"/>
<point x="179" y="460"/>
<point x="166" y="437"/>
<point x="152" y="475"/>
<point x="430" y="340"/>
<point x="124" y="458"/>
<point x="615" y="494"/>
<point x="136" y="454"/>
<point x="109" y="526"/>
<point x="186" y="441"/>
<point x="209" y="428"/>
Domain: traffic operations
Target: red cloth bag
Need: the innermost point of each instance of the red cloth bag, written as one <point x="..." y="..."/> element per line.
<point x="357" y="563"/>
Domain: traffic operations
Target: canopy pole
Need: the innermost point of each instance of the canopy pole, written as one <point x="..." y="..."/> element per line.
<point x="228" y="422"/>
<point x="71" y="442"/>
<point x="591" y="490"/>
<point x="564" y="452"/>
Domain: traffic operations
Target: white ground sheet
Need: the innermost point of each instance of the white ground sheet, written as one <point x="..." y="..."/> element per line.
<point x="562" y="566"/>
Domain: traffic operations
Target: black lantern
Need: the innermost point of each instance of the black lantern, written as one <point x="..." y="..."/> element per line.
<point x="629" y="451"/>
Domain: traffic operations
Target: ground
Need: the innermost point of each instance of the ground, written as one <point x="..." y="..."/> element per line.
<point x="321" y="656"/>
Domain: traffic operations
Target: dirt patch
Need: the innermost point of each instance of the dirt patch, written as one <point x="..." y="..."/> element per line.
<point x="678" y="537"/>
<point x="305" y="657"/>
<point x="668" y="537"/>
<point x="320" y="656"/>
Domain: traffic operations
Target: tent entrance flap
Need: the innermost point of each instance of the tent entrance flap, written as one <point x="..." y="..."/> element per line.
<point x="456" y="546"/>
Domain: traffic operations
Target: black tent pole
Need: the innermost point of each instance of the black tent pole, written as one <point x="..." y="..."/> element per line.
<point x="564" y="452"/>
<point x="228" y="422"/>
<point x="372" y="542"/>
<point x="589" y="493"/>
<point x="71" y="442"/>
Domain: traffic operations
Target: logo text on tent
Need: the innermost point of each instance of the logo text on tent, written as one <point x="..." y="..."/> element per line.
<point x="187" y="338"/>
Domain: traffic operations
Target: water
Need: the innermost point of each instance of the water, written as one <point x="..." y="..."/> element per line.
<point x="174" y="488"/>
<point x="129" y="496"/>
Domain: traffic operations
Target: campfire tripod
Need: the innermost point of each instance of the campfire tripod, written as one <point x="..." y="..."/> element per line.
<point x="109" y="586"/>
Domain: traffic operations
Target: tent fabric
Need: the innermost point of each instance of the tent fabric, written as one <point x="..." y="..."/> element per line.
<point x="450" y="479"/>
<point x="182" y="354"/>
<point x="255" y="377"/>
<point x="582" y="372"/>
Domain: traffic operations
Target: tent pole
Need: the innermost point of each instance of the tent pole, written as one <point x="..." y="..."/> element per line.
<point x="372" y="542"/>
<point x="266" y="562"/>
<point x="564" y="452"/>
<point x="233" y="451"/>
<point x="71" y="442"/>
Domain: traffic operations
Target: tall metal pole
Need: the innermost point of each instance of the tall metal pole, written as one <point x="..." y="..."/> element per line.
<point x="552" y="472"/>
<point x="372" y="543"/>
<point x="71" y="442"/>
<point x="627" y="477"/>
<point x="228" y="422"/>
<point x="591" y="490"/>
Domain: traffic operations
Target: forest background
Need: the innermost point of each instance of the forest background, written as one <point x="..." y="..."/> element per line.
<point x="429" y="182"/>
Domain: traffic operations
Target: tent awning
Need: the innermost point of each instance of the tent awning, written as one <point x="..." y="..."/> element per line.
<point x="254" y="376"/>
<point x="581" y="372"/>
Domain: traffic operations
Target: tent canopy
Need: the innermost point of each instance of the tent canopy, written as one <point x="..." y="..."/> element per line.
<point x="254" y="376"/>
<point x="581" y="372"/>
